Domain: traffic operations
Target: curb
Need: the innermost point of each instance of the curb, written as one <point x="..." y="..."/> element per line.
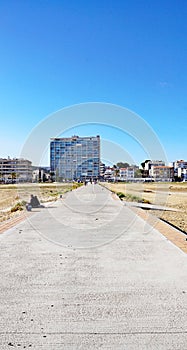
<point x="175" y="236"/>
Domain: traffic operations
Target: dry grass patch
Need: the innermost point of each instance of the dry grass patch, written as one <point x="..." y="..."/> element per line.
<point x="173" y="195"/>
<point x="14" y="197"/>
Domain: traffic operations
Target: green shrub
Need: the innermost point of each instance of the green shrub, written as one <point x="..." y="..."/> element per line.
<point x="146" y="201"/>
<point x="121" y="195"/>
<point x="132" y="198"/>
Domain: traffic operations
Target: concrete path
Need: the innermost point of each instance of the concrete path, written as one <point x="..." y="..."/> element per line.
<point x="88" y="273"/>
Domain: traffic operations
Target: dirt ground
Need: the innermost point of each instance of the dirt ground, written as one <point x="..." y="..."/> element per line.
<point x="173" y="195"/>
<point x="10" y="195"/>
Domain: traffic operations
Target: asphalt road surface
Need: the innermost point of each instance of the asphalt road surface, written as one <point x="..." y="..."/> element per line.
<point x="87" y="273"/>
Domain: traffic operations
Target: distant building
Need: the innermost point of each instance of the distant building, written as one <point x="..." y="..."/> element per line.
<point x="15" y="170"/>
<point x="75" y="157"/>
<point x="41" y="174"/>
<point x="109" y="174"/>
<point x="102" y="168"/>
<point x="148" y="164"/>
<point x="180" y="170"/>
<point x="161" y="172"/>
<point x="126" y="173"/>
<point x="119" y="174"/>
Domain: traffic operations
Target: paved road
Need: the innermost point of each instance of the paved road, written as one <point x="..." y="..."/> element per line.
<point x="86" y="273"/>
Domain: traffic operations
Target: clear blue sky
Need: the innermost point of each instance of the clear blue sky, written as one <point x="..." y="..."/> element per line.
<point x="58" y="53"/>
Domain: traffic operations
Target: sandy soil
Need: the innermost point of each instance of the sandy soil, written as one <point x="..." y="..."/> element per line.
<point x="173" y="195"/>
<point x="10" y="195"/>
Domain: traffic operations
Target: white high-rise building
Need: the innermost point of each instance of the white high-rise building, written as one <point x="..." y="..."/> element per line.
<point x="75" y="157"/>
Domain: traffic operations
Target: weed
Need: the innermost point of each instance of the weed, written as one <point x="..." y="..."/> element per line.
<point x="16" y="207"/>
<point x="121" y="195"/>
<point x="132" y="198"/>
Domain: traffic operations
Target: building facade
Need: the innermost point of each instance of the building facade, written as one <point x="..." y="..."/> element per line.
<point x="147" y="165"/>
<point x="75" y="158"/>
<point x="109" y="174"/>
<point x="102" y="169"/>
<point x="162" y="173"/>
<point x="126" y="173"/>
<point x="180" y="170"/>
<point x="15" y="170"/>
<point x="41" y="174"/>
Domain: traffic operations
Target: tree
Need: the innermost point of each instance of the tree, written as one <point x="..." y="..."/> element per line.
<point x="13" y="176"/>
<point x="52" y="176"/>
<point x="138" y="173"/>
<point x="143" y="163"/>
<point x="122" y="165"/>
<point x="44" y="177"/>
<point x="1" y="177"/>
<point x="144" y="172"/>
<point x="116" y="172"/>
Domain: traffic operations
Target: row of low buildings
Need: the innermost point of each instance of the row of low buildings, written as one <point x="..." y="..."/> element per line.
<point x="78" y="158"/>
<point x="119" y="174"/>
<point x="158" y="170"/>
<point x="151" y="171"/>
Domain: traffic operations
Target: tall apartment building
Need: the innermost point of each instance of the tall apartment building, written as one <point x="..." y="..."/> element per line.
<point x="75" y="157"/>
<point x="16" y="169"/>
